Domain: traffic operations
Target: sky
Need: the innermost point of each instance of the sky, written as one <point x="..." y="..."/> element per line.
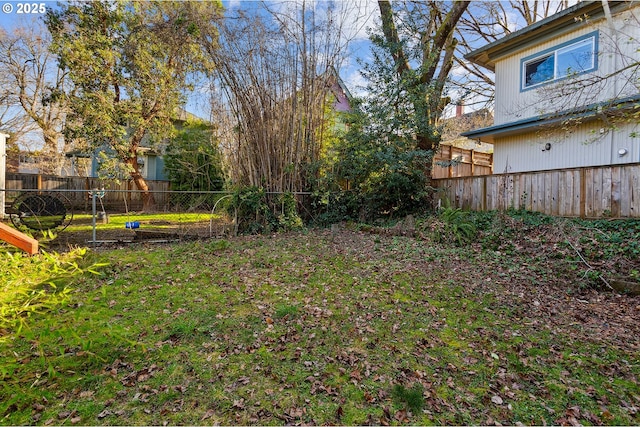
<point x="15" y="12"/>
<point x="359" y="15"/>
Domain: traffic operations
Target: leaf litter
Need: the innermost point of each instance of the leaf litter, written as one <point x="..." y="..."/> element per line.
<point x="488" y="338"/>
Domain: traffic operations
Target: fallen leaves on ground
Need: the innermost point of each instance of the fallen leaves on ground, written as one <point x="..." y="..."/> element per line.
<point x="318" y="328"/>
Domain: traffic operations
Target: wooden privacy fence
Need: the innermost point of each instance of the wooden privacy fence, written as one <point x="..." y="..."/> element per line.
<point x="467" y="162"/>
<point x="76" y="189"/>
<point x="594" y="192"/>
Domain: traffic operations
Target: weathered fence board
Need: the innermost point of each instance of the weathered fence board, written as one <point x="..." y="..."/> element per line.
<point x="76" y="189"/>
<point x="467" y="162"/>
<point x="634" y="185"/>
<point x="605" y="191"/>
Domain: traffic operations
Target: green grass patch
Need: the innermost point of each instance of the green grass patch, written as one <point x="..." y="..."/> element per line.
<point x="83" y="222"/>
<point x="321" y="328"/>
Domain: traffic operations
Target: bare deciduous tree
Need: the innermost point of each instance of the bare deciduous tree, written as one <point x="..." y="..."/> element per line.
<point x="276" y="67"/>
<point x="423" y="48"/>
<point x="486" y="22"/>
<point x="31" y="82"/>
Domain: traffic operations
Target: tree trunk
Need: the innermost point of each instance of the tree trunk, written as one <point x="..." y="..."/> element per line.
<point x="427" y="142"/>
<point x="438" y="48"/>
<point x="148" y="201"/>
<point x="51" y="159"/>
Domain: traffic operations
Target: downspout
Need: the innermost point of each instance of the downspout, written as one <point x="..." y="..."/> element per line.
<point x="613" y="38"/>
<point x="607" y="13"/>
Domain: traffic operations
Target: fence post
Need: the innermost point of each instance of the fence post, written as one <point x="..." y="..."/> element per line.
<point x="583" y="193"/>
<point x="93" y="216"/>
<point x="473" y="162"/>
<point x="450" y="171"/>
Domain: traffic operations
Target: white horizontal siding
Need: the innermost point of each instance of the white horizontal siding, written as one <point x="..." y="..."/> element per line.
<point x="615" y="52"/>
<point x="590" y="144"/>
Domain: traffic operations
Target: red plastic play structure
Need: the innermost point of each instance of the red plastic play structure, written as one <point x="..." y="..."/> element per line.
<point x="18" y="239"/>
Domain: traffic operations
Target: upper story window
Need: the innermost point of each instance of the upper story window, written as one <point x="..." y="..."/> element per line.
<point x="571" y="58"/>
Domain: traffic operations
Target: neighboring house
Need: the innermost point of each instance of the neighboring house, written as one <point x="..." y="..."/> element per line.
<point x="80" y="163"/>
<point x="150" y="160"/>
<point x="86" y="164"/>
<point x="342" y="96"/>
<point x="340" y="99"/>
<point x="452" y="127"/>
<point x="27" y="162"/>
<point x="566" y="90"/>
<point x="24" y="162"/>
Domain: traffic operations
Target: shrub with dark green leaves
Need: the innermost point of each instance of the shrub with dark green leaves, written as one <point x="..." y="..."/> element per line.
<point x="193" y="163"/>
<point x="257" y="211"/>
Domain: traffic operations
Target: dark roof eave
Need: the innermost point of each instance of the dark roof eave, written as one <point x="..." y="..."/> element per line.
<point x="485" y="55"/>
<point x="588" y="113"/>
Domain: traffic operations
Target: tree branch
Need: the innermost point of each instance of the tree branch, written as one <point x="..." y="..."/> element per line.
<point x="391" y="35"/>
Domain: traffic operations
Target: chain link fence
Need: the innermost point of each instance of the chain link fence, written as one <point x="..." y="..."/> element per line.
<point x="98" y="216"/>
<point x="105" y="216"/>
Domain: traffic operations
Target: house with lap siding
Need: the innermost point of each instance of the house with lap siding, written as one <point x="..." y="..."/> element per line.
<point x="567" y="90"/>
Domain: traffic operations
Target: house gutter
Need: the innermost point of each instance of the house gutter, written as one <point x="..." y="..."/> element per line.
<point x="587" y="113"/>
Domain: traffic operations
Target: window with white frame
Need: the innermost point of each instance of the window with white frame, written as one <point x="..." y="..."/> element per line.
<point x="575" y="57"/>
